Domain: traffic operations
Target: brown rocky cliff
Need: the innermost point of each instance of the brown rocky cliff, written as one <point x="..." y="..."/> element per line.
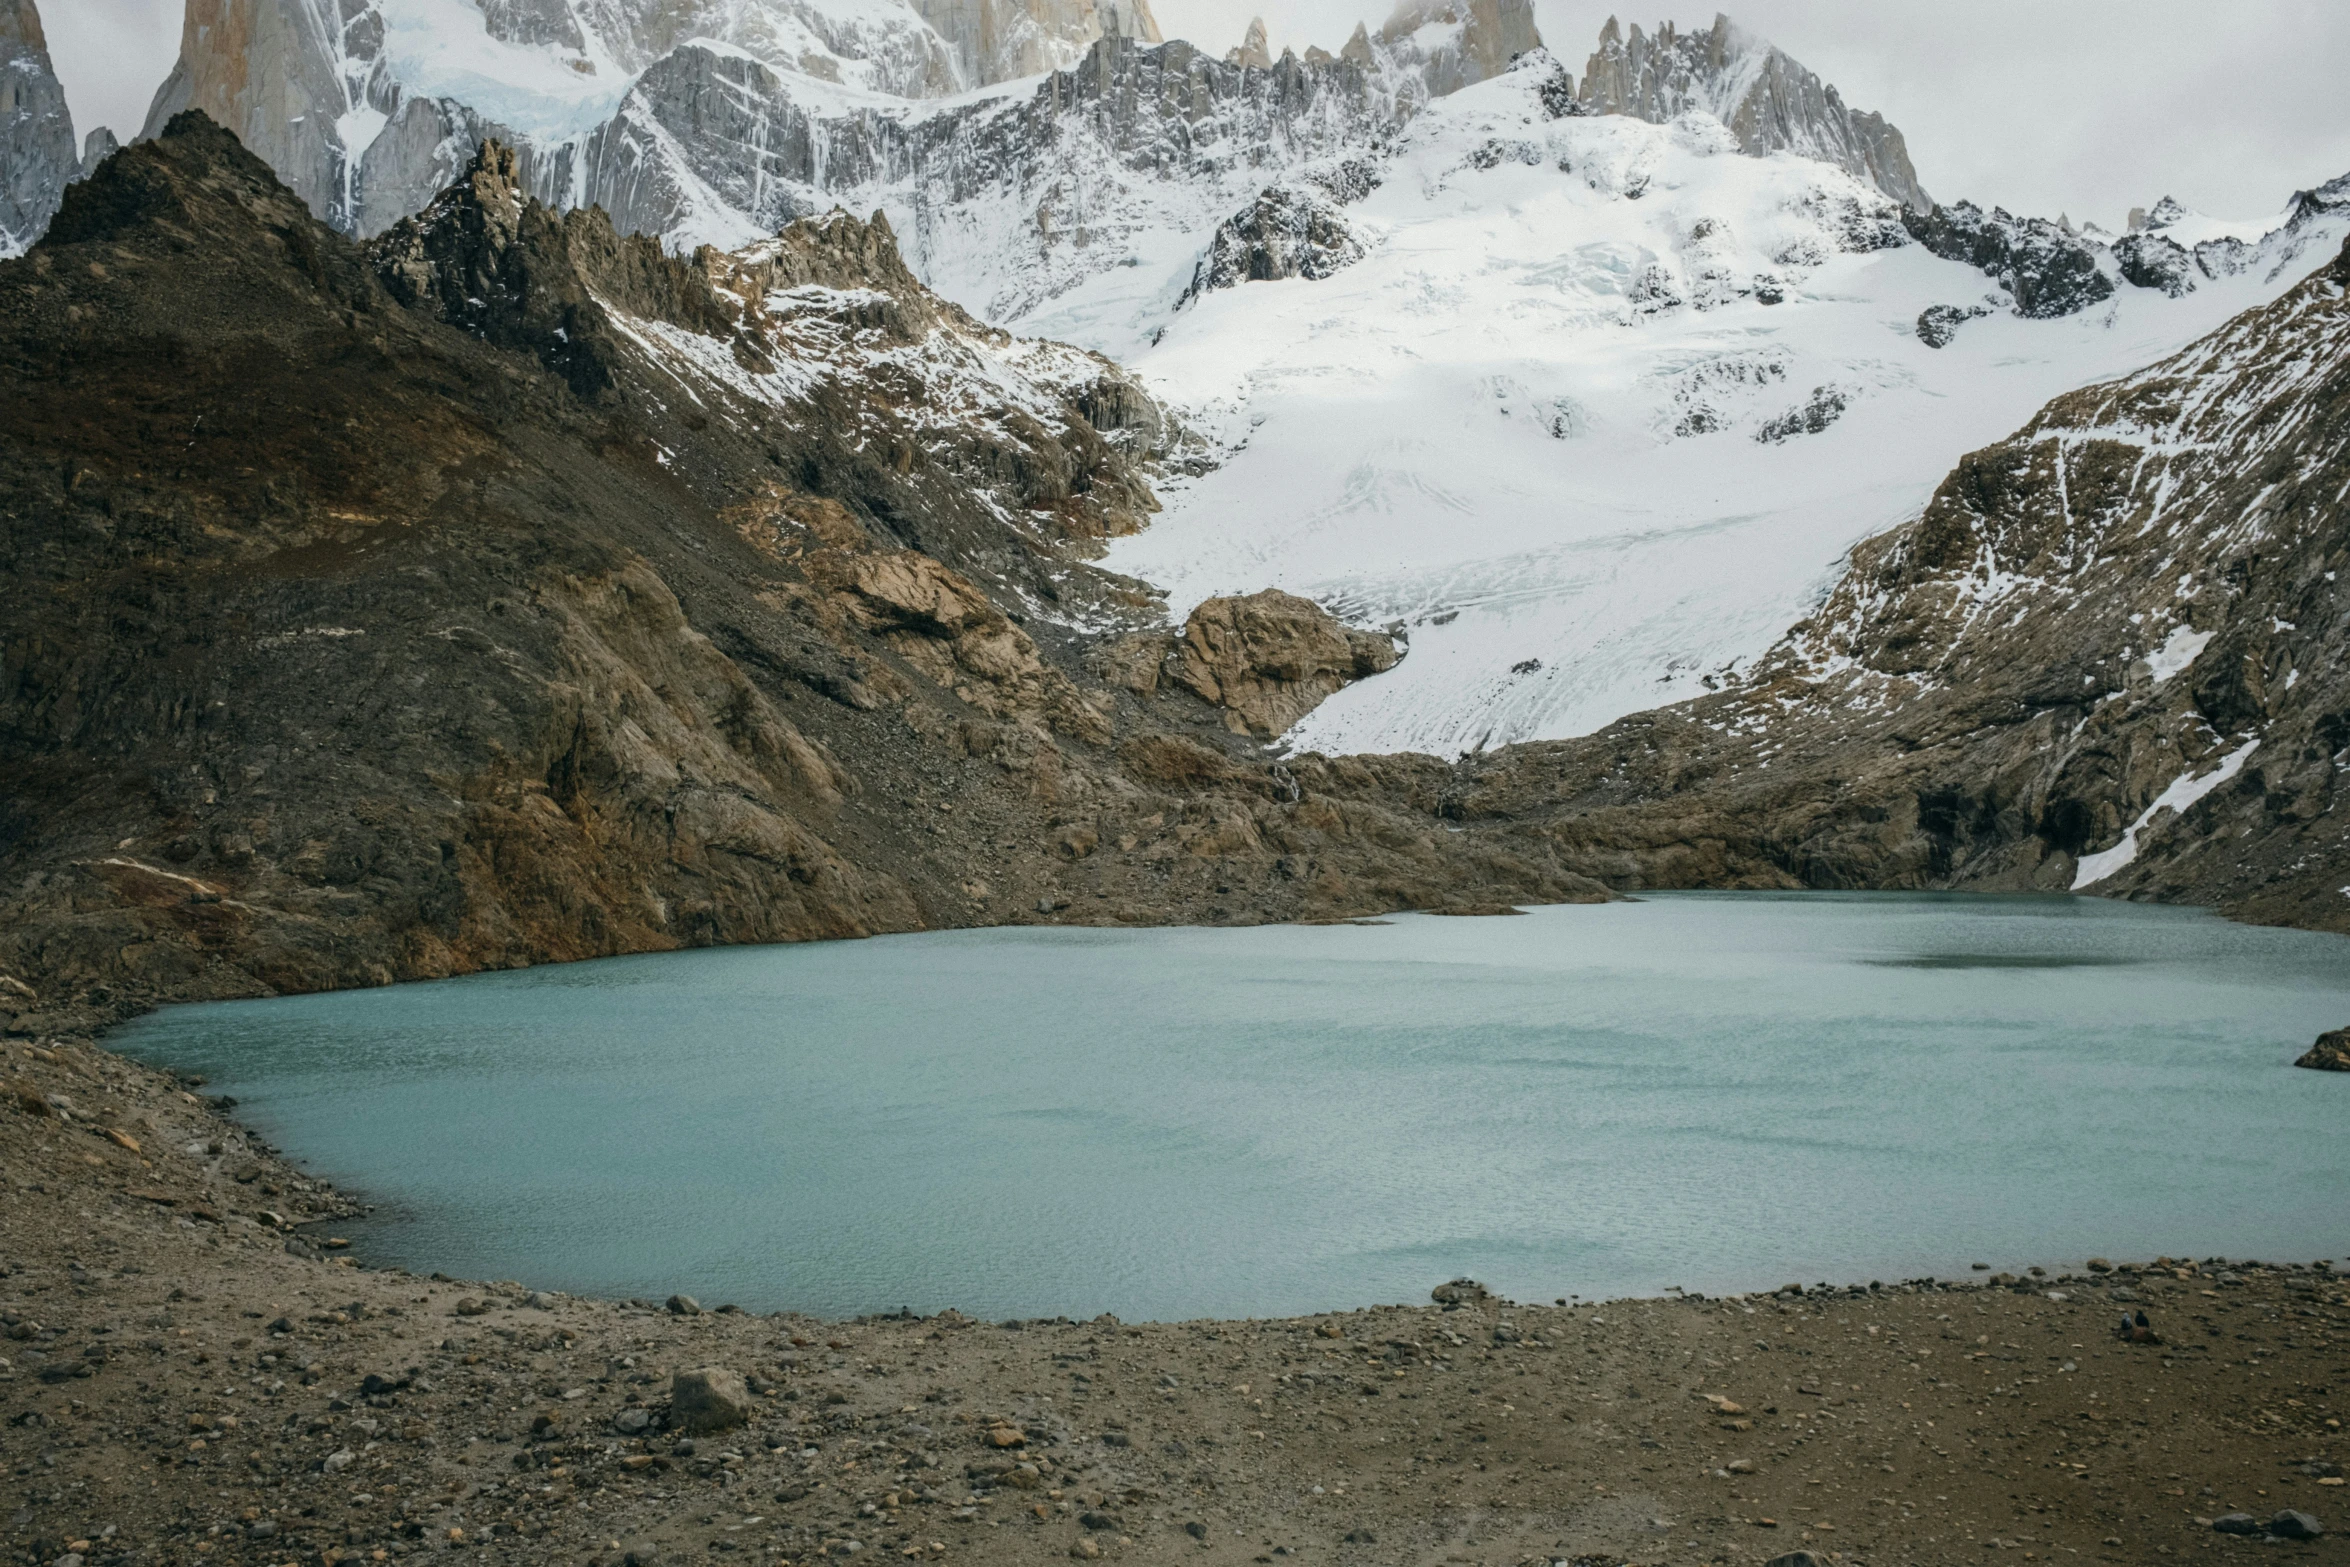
<point x="1271" y="658"/>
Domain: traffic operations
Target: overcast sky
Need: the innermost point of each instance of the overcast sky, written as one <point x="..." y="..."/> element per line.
<point x="2083" y="106"/>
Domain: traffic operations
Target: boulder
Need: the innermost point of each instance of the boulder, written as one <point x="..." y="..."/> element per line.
<point x="2331" y="1053"/>
<point x="2291" y="1525"/>
<point x="709" y="1399"/>
<point x="1271" y="658"/>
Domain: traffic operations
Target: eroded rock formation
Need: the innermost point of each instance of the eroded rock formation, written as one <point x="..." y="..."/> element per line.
<point x="1270" y="658"/>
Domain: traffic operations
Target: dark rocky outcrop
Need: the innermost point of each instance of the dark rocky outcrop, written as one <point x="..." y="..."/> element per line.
<point x="1286" y="232"/>
<point x="2049" y="272"/>
<point x="2152" y="260"/>
<point x="2331" y="1053"/>
<point x="1938" y="324"/>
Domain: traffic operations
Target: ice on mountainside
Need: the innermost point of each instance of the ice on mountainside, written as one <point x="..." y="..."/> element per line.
<point x="1603" y="403"/>
<point x="37" y="155"/>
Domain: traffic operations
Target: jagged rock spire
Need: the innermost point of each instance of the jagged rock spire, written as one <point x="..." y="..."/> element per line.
<point x="1255" y="49"/>
<point x="37" y="157"/>
<point x="1770" y="102"/>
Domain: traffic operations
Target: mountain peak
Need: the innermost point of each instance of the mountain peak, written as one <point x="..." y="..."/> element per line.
<point x="37" y="155"/>
<point x="1769" y="100"/>
<point x="1255" y="48"/>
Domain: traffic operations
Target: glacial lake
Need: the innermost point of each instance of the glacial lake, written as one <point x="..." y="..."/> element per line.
<point x="1711" y="1091"/>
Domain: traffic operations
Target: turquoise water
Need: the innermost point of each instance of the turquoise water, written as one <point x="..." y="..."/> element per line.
<point x="1712" y="1091"/>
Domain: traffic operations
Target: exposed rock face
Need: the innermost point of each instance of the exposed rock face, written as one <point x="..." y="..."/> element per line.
<point x="1252" y="51"/>
<point x="305" y="93"/>
<point x="2331" y="1053"/>
<point x="1000" y="40"/>
<point x="97" y="148"/>
<point x="1270" y="658"/>
<point x="2049" y="272"/>
<point x="352" y="644"/>
<point x="37" y="158"/>
<point x="1286" y="232"/>
<point x="1190" y="137"/>
<point x="1938" y="324"/>
<point x="1450" y="44"/>
<point x="1770" y="103"/>
<point x="2153" y="261"/>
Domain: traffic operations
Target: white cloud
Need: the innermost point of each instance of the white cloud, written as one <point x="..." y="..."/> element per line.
<point x="111" y="55"/>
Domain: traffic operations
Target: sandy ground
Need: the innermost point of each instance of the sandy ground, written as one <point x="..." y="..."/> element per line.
<point x="193" y="1372"/>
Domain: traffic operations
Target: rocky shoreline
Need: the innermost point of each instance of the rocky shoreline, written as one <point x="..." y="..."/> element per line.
<point x="195" y="1369"/>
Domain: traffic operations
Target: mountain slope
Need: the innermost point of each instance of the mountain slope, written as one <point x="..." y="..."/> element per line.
<point x="540" y="595"/>
<point x="2112" y="655"/>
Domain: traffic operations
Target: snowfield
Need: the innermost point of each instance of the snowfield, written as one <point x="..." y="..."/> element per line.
<point x="1551" y="426"/>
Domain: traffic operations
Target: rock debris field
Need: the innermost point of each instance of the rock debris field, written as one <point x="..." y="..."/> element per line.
<point x="195" y="1371"/>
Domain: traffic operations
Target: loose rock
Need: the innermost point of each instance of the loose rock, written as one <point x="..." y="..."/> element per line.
<point x="710" y="1399"/>
<point x="2331" y="1053"/>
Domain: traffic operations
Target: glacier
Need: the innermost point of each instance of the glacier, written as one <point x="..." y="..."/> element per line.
<point x="1527" y="427"/>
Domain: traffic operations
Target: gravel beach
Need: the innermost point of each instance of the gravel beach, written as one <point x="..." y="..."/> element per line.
<point x="195" y="1371"/>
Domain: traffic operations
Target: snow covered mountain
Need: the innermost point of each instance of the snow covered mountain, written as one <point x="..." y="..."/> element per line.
<point x="366" y="108"/>
<point x="716" y="121"/>
<point x="1587" y="385"/>
<point x="1768" y="101"/>
<point x="1602" y="402"/>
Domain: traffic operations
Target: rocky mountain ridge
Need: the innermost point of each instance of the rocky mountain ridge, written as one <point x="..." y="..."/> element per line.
<point x="1770" y="102"/>
<point x="374" y="634"/>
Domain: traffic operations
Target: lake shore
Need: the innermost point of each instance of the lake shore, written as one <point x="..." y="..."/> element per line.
<point x="195" y="1373"/>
